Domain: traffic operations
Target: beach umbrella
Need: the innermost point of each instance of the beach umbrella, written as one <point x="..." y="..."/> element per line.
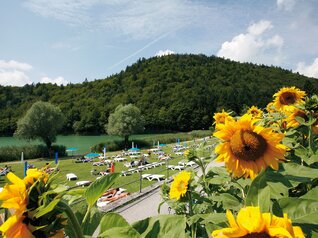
<point x="71" y="149"/>
<point x="134" y="149"/>
<point x="91" y="155"/>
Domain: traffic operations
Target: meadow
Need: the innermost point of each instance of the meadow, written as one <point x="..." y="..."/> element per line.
<point x="83" y="170"/>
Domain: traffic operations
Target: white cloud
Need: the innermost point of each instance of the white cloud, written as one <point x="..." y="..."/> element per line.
<point x="254" y="45"/>
<point x="12" y="73"/>
<point x="137" y="19"/>
<point x="59" y="80"/>
<point x="164" y="52"/>
<point x="259" y="27"/>
<point x="286" y="5"/>
<point x="13" y="78"/>
<point x="12" y="64"/>
<point x="308" y="70"/>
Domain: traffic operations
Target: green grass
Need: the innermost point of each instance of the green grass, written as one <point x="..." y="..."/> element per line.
<point x="83" y="170"/>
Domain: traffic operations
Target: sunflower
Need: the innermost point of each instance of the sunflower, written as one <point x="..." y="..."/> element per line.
<point x="255" y="111"/>
<point x="179" y="186"/>
<point x="270" y="107"/>
<point x="220" y="118"/>
<point x="291" y="120"/>
<point x="14" y="195"/>
<point x="251" y="223"/>
<point x="286" y="98"/>
<point x="186" y="153"/>
<point x="248" y="148"/>
<point x="16" y="227"/>
<point x="35" y="174"/>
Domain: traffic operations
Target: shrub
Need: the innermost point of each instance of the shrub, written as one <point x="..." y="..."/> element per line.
<point x="11" y="153"/>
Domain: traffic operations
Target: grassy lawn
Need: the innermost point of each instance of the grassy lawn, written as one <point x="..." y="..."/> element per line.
<point x="83" y="170"/>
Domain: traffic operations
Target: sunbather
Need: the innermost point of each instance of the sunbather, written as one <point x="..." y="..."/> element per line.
<point x="111" y="192"/>
<point x="115" y="197"/>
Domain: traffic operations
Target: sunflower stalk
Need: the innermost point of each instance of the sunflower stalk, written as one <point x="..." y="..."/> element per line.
<point x="240" y="186"/>
<point x="87" y="214"/>
<point x="75" y="226"/>
<point x="193" y="225"/>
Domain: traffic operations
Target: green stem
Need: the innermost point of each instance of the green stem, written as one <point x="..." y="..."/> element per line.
<point x="75" y="226"/>
<point x="86" y="214"/>
<point x="310" y="140"/>
<point x="241" y="188"/>
<point x="193" y="226"/>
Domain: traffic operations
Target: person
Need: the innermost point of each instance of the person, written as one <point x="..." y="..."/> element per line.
<point x="111" y="192"/>
<point x="112" y="167"/>
<point x="116" y="197"/>
<point x="113" y="195"/>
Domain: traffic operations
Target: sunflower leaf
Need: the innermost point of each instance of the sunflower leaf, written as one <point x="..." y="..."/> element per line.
<point x="300" y="210"/>
<point x="98" y="187"/>
<point x="266" y="186"/>
<point x="114" y="225"/>
<point x="162" y="226"/>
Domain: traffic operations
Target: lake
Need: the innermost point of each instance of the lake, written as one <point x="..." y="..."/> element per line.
<point x="82" y="143"/>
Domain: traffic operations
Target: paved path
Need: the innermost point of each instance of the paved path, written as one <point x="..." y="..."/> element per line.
<point x="147" y="205"/>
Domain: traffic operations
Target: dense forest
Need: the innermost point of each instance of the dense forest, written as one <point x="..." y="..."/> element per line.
<point x="174" y="93"/>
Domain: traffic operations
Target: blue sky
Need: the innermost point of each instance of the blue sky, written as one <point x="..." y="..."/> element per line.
<point x="63" y="41"/>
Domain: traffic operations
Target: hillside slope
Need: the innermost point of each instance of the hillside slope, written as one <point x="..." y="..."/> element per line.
<point x="175" y="92"/>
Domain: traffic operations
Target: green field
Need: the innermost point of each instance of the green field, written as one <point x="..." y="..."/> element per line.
<point x="83" y="170"/>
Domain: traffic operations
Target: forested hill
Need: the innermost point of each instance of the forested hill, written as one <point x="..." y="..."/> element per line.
<point x="175" y="92"/>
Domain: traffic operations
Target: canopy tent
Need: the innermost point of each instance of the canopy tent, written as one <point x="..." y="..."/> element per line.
<point x="71" y="149"/>
<point x="134" y="149"/>
<point x="91" y="155"/>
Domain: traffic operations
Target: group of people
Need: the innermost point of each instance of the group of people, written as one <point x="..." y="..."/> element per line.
<point x="142" y="161"/>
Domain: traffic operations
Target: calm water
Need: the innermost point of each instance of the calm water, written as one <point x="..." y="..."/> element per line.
<point x="82" y="143"/>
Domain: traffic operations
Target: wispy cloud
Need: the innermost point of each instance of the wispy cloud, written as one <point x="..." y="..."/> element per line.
<point x="136" y="19"/>
<point x="138" y="51"/>
<point x="286" y="5"/>
<point x="254" y="46"/>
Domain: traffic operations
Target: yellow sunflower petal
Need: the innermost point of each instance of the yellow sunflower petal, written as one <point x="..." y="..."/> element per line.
<point x="229" y="233"/>
<point x="298" y="233"/>
<point x="279" y="232"/>
<point x="250" y="218"/>
<point x="231" y="219"/>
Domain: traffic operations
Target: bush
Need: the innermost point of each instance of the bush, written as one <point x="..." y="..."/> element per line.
<point x="11" y="153"/>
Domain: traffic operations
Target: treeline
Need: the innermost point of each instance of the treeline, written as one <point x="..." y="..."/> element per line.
<point x="174" y="93"/>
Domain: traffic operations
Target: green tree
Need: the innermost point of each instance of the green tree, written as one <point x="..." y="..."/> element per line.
<point x="42" y="121"/>
<point x="125" y="121"/>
